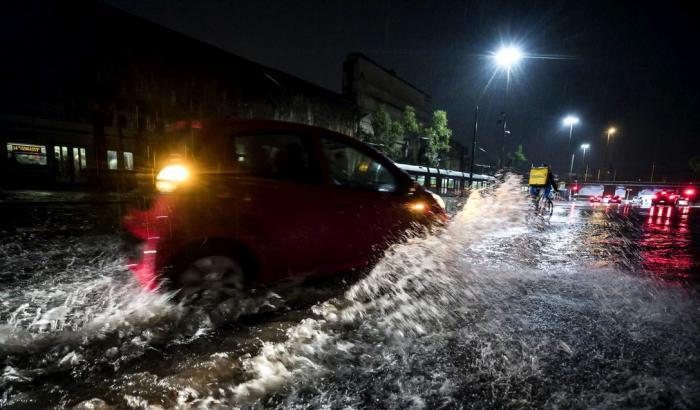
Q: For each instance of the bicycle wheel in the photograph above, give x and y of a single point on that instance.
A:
(547, 207)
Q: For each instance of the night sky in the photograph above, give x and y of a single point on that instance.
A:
(630, 65)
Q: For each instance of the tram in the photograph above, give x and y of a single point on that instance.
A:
(445, 182)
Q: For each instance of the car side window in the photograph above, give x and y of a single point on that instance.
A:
(350, 167)
(274, 156)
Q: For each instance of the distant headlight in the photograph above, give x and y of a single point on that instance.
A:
(170, 177)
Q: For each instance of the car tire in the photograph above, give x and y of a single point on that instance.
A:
(210, 279)
(210, 275)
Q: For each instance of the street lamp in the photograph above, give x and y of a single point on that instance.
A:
(585, 147)
(570, 121)
(506, 58)
(610, 131)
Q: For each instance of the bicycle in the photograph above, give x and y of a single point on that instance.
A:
(543, 205)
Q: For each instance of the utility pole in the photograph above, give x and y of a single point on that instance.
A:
(503, 141)
(471, 160)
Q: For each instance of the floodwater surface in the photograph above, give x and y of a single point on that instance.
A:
(596, 306)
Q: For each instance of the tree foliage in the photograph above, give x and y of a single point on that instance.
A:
(410, 122)
(516, 158)
(388, 134)
(391, 136)
(439, 135)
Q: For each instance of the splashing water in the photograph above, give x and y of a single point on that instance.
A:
(473, 316)
(494, 310)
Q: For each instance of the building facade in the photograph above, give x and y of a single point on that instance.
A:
(89, 89)
(370, 85)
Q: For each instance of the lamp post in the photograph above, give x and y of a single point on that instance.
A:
(571, 168)
(471, 161)
(610, 132)
(585, 147)
(570, 121)
(506, 58)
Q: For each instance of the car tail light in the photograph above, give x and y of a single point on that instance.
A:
(656, 196)
(690, 192)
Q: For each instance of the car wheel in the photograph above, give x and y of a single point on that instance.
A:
(209, 280)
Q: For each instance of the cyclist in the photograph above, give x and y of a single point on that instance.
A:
(536, 185)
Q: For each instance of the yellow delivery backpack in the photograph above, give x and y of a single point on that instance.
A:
(538, 176)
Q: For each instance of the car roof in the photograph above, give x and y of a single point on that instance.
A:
(212, 127)
(247, 124)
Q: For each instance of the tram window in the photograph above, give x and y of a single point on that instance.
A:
(420, 179)
(433, 182)
(353, 168)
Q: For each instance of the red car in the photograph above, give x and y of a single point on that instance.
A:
(612, 199)
(250, 202)
(595, 198)
(664, 198)
(687, 196)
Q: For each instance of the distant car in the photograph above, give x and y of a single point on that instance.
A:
(595, 198)
(687, 196)
(256, 202)
(664, 198)
(612, 199)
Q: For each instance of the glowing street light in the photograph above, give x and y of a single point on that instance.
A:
(610, 131)
(507, 57)
(570, 121)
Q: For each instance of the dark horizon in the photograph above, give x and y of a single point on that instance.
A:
(610, 64)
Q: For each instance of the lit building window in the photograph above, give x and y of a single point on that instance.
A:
(112, 160)
(83, 159)
(128, 160)
(26, 154)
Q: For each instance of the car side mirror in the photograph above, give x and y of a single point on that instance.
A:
(405, 186)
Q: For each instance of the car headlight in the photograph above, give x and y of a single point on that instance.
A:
(170, 177)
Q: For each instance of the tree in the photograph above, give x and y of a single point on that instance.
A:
(387, 133)
(439, 135)
(391, 136)
(516, 158)
(409, 121)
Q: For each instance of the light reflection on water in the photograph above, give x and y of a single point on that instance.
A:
(495, 311)
(667, 244)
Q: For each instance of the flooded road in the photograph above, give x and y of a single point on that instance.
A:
(596, 307)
